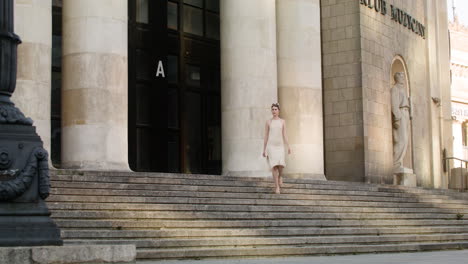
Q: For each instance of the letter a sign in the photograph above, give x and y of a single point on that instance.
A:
(160, 70)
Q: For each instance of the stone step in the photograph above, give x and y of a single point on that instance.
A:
(198, 216)
(422, 191)
(226, 189)
(165, 187)
(291, 250)
(233, 182)
(54, 206)
(128, 176)
(284, 241)
(268, 200)
(146, 193)
(79, 175)
(252, 186)
(177, 224)
(259, 232)
(163, 215)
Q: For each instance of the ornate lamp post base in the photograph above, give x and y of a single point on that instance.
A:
(24, 172)
(24, 183)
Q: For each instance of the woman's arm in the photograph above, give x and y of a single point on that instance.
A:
(285, 137)
(265, 138)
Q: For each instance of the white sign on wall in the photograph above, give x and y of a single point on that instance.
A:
(160, 70)
(460, 111)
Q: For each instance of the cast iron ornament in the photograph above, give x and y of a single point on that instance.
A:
(5, 160)
(9, 114)
(37, 165)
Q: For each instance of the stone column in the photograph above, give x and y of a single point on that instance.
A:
(94, 85)
(248, 82)
(458, 149)
(33, 22)
(300, 84)
(438, 56)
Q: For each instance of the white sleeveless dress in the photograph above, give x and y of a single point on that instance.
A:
(275, 147)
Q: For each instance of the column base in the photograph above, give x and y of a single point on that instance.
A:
(252, 174)
(265, 174)
(405, 179)
(458, 179)
(96, 166)
(306, 176)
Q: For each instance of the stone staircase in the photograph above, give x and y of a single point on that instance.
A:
(174, 216)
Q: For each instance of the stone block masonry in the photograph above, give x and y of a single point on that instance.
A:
(341, 54)
(360, 42)
(382, 40)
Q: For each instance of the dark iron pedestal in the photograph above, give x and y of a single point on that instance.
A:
(24, 172)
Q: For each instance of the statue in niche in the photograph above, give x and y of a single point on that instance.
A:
(400, 121)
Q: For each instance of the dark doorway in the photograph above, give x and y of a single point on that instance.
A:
(174, 86)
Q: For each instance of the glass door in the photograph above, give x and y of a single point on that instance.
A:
(174, 87)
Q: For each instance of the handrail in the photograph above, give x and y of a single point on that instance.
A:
(455, 158)
(464, 178)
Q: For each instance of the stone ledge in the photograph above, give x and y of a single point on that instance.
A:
(75, 254)
(305, 176)
(405, 179)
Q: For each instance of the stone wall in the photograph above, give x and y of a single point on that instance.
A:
(33, 24)
(459, 62)
(341, 51)
(382, 40)
(459, 67)
(360, 43)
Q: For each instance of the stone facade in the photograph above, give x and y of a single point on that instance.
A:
(361, 44)
(341, 47)
(270, 51)
(382, 40)
(459, 67)
(33, 82)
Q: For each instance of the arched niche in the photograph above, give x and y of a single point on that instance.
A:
(399, 65)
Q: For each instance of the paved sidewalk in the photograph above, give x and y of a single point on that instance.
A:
(435, 257)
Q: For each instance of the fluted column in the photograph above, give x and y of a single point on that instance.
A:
(94, 86)
(248, 82)
(33, 22)
(300, 83)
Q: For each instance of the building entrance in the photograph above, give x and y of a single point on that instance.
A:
(174, 86)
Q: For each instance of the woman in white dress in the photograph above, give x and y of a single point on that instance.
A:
(273, 145)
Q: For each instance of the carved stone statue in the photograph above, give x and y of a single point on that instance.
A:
(400, 121)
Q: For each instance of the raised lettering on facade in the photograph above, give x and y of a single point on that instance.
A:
(398, 15)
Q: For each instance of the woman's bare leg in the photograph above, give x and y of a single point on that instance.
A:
(280, 175)
(275, 172)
